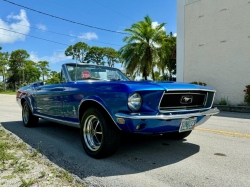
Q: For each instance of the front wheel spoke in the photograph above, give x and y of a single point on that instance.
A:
(98, 132)
(91, 140)
(97, 124)
(97, 140)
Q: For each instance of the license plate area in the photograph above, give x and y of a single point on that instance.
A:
(187, 124)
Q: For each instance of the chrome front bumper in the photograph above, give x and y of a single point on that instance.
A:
(210, 112)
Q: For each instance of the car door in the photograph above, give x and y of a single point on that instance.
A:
(72, 96)
(48, 100)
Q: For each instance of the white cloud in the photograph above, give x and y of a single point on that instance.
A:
(41, 26)
(155, 24)
(54, 58)
(88, 36)
(19, 23)
(175, 34)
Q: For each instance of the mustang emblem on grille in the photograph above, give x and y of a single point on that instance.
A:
(186, 99)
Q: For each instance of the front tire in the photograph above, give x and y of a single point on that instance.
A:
(29, 119)
(100, 138)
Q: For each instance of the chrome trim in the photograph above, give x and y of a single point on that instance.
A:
(72, 124)
(186, 110)
(183, 93)
(85, 64)
(102, 107)
(212, 101)
(205, 102)
(177, 110)
(92, 134)
(167, 117)
(206, 90)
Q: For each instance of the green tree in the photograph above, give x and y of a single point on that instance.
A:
(157, 76)
(95, 55)
(4, 61)
(78, 51)
(44, 68)
(112, 56)
(167, 59)
(54, 78)
(16, 63)
(140, 52)
(32, 72)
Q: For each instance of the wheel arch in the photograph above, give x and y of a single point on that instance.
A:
(88, 103)
(23, 99)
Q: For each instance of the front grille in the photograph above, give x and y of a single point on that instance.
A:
(183, 100)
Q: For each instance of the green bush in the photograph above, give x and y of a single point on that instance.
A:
(199, 83)
(223, 101)
(247, 94)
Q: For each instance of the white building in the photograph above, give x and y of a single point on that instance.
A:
(213, 45)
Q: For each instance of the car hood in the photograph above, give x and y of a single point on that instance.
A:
(157, 85)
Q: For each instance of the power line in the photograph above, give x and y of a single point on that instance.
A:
(113, 10)
(78, 12)
(62, 34)
(64, 19)
(34, 37)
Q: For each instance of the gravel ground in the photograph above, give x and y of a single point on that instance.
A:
(22, 165)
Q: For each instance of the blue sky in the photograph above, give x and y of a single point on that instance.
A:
(113, 15)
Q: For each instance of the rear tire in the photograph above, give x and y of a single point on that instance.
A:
(177, 135)
(29, 119)
(100, 138)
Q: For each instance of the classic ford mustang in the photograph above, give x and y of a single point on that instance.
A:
(102, 102)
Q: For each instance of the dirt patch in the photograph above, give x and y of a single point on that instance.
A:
(21, 165)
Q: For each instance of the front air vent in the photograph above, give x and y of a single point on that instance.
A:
(183, 100)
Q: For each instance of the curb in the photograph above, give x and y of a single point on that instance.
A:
(241, 109)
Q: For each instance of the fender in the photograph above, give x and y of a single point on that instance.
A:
(28, 99)
(100, 102)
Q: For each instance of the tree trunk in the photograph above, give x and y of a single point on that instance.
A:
(170, 75)
(153, 74)
(4, 86)
(163, 76)
(43, 77)
(144, 74)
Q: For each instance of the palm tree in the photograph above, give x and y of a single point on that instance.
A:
(140, 52)
(165, 53)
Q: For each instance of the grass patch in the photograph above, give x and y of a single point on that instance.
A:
(27, 183)
(18, 160)
(8, 92)
(42, 174)
(22, 167)
(4, 155)
(8, 177)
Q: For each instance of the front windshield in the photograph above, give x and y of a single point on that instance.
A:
(92, 72)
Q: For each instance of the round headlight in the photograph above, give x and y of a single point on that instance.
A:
(134, 102)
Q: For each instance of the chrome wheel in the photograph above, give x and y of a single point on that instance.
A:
(26, 114)
(92, 132)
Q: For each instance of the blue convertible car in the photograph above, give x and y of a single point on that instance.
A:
(102, 102)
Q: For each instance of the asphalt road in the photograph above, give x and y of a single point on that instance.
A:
(217, 153)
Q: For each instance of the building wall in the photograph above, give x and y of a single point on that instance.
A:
(217, 46)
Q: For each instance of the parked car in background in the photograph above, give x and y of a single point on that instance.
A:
(102, 102)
